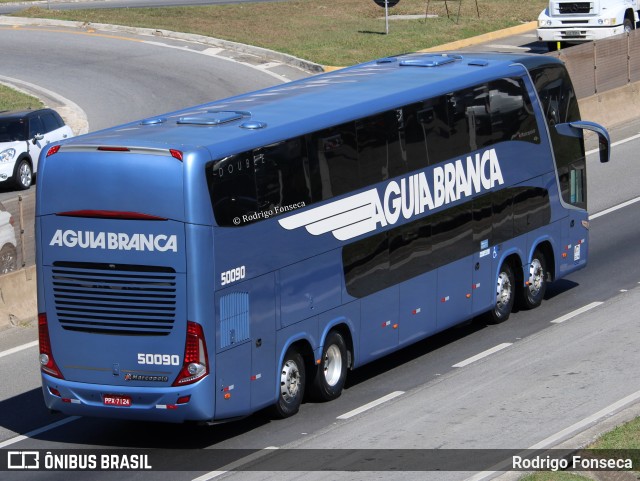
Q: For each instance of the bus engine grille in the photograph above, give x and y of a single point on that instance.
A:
(114, 298)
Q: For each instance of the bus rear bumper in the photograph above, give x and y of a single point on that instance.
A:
(163, 404)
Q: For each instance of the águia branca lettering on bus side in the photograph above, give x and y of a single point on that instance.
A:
(114, 241)
(410, 196)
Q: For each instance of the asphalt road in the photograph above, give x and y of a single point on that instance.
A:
(546, 377)
(117, 77)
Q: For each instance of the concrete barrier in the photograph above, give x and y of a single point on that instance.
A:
(613, 107)
(18, 301)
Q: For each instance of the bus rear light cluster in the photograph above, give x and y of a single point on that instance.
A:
(196, 362)
(47, 363)
(110, 214)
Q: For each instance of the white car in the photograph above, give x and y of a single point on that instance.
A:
(8, 251)
(23, 134)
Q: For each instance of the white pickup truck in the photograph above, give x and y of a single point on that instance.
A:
(574, 22)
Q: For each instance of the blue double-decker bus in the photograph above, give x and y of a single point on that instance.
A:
(208, 263)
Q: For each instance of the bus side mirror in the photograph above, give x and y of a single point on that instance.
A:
(574, 129)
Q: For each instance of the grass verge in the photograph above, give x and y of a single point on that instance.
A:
(13, 100)
(322, 31)
(624, 438)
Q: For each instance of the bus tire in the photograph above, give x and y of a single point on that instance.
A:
(627, 26)
(505, 295)
(291, 386)
(332, 371)
(533, 292)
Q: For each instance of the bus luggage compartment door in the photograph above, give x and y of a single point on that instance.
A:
(245, 346)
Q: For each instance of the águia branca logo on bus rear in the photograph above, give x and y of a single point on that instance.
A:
(410, 196)
(86, 239)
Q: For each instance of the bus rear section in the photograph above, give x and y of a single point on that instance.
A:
(116, 336)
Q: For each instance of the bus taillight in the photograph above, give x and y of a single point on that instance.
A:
(196, 362)
(47, 364)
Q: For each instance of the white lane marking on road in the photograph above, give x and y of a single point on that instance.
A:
(560, 436)
(210, 53)
(371, 405)
(619, 142)
(483, 354)
(614, 208)
(575, 313)
(13, 350)
(236, 464)
(214, 52)
(38, 431)
(508, 47)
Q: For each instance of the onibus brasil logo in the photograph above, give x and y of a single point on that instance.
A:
(410, 196)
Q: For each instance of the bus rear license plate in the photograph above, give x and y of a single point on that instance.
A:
(115, 400)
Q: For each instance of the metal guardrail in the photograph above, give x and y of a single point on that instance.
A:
(602, 65)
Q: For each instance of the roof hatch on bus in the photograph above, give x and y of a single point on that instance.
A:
(430, 61)
(213, 117)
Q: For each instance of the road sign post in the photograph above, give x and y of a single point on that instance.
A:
(387, 4)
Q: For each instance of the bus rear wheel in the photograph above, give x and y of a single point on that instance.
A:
(332, 370)
(533, 292)
(292, 382)
(505, 295)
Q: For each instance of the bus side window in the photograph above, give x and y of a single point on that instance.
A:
(281, 177)
(560, 105)
(379, 154)
(232, 187)
(337, 157)
(469, 120)
(512, 116)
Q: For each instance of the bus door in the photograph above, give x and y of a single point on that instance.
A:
(245, 359)
(482, 284)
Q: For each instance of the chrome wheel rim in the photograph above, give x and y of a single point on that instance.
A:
(25, 175)
(536, 277)
(332, 365)
(289, 380)
(503, 291)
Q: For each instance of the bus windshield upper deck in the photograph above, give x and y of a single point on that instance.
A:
(280, 238)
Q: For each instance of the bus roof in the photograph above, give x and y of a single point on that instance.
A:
(285, 111)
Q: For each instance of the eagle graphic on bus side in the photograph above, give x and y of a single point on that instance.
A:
(410, 196)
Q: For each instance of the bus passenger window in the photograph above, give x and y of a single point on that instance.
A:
(336, 153)
(232, 187)
(379, 154)
(282, 182)
(470, 120)
(512, 116)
